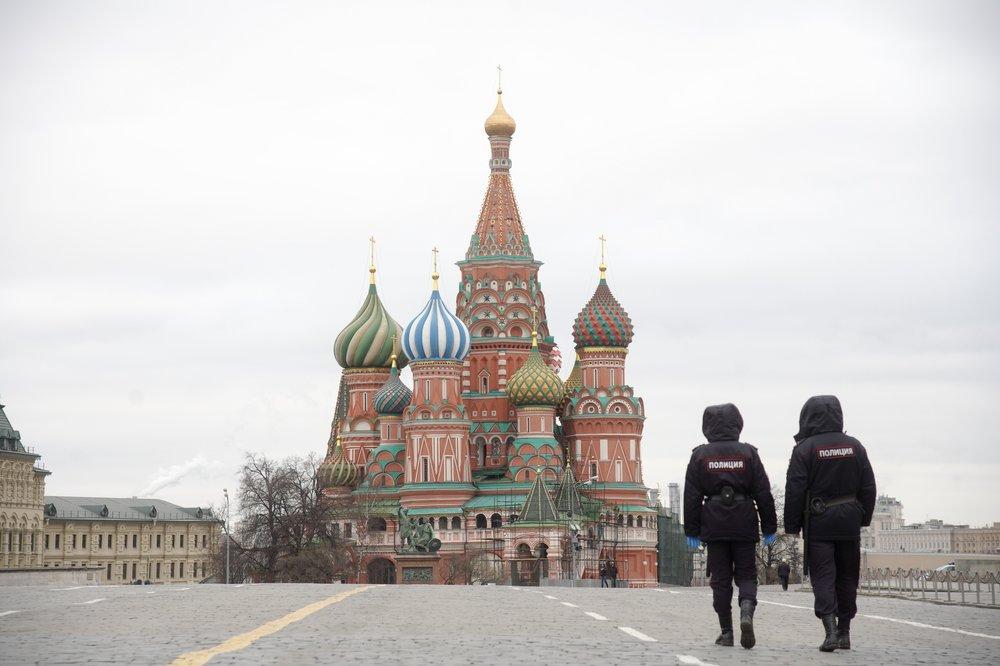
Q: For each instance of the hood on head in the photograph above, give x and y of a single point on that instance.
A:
(722, 423)
(820, 414)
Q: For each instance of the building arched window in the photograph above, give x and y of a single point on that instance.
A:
(487, 331)
(542, 550)
(516, 332)
(456, 523)
(442, 523)
(481, 522)
(638, 521)
(480, 444)
(376, 525)
(523, 550)
(631, 522)
(619, 519)
(496, 520)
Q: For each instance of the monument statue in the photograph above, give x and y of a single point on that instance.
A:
(415, 537)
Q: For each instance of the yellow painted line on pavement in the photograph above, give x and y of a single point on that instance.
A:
(242, 641)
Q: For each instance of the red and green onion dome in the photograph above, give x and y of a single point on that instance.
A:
(394, 396)
(603, 322)
(535, 383)
(366, 342)
(337, 471)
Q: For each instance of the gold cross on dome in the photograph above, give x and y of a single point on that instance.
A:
(435, 275)
(603, 266)
(371, 263)
(499, 73)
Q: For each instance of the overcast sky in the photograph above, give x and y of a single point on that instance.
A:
(799, 199)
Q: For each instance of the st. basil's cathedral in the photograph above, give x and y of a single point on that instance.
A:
(519, 473)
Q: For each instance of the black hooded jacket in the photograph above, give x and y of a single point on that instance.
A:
(828, 464)
(726, 461)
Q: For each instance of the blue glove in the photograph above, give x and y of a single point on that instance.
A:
(770, 538)
(694, 543)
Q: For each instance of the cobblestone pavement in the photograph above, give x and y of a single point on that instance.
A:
(466, 625)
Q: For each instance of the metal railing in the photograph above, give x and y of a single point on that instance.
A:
(953, 586)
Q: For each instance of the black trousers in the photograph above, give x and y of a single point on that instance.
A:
(834, 567)
(784, 582)
(728, 560)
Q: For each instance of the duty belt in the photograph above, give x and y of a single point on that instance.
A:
(728, 496)
(818, 505)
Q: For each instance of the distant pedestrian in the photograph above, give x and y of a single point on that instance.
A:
(725, 490)
(603, 568)
(830, 495)
(613, 570)
(783, 572)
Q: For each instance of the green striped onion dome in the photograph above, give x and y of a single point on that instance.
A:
(337, 471)
(535, 383)
(366, 342)
(603, 322)
(394, 396)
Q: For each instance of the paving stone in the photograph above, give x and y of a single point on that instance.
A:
(453, 625)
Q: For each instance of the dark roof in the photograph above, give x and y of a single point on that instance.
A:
(567, 496)
(114, 508)
(10, 439)
(538, 506)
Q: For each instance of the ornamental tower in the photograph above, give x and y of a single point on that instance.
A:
(435, 427)
(498, 292)
(537, 391)
(602, 418)
(387, 462)
(364, 350)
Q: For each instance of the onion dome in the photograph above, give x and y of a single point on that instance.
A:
(435, 334)
(500, 123)
(602, 322)
(575, 379)
(535, 383)
(394, 396)
(337, 471)
(366, 342)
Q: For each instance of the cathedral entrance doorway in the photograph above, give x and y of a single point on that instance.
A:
(382, 572)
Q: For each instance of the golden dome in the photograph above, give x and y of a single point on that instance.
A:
(500, 123)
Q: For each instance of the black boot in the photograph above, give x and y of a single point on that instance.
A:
(830, 625)
(747, 638)
(844, 633)
(726, 624)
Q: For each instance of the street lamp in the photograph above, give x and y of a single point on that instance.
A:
(225, 492)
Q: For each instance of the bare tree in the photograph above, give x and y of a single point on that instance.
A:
(285, 531)
(369, 526)
(785, 547)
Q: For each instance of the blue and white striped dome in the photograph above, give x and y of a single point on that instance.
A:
(436, 334)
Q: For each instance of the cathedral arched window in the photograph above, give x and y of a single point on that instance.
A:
(456, 523)
(487, 332)
(630, 522)
(638, 521)
(515, 332)
(442, 523)
(481, 523)
(496, 520)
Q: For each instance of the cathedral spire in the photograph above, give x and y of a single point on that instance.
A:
(499, 231)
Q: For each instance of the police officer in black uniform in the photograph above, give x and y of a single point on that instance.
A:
(725, 489)
(830, 494)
